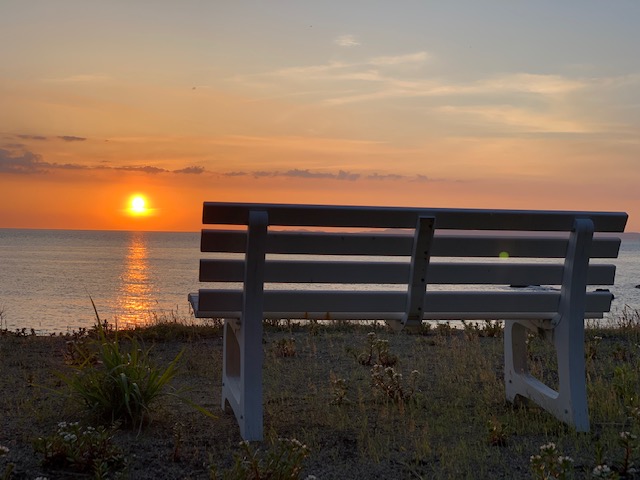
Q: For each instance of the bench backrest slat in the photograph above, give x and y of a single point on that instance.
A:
(354, 272)
(383, 305)
(444, 245)
(399, 217)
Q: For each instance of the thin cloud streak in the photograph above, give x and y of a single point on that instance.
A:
(347, 41)
(29, 163)
(81, 78)
(341, 175)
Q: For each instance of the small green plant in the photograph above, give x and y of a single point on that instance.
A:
(629, 444)
(625, 381)
(121, 385)
(285, 347)
(604, 471)
(492, 329)
(339, 390)
(550, 465)
(376, 352)
(9, 468)
(444, 329)
(283, 461)
(497, 433)
(591, 347)
(390, 384)
(81, 449)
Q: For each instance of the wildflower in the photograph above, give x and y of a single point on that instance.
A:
(549, 447)
(3, 450)
(627, 436)
(601, 471)
(562, 459)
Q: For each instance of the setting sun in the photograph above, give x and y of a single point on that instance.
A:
(138, 205)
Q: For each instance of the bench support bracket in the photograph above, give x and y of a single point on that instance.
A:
(243, 355)
(569, 403)
(417, 288)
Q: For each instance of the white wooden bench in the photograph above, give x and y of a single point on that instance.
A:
(307, 270)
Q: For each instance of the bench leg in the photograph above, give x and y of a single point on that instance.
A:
(242, 379)
(569, 404)
(242, 361)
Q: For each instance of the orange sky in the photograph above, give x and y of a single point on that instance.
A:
(427, 106)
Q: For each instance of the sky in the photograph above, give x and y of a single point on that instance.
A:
(469, 103)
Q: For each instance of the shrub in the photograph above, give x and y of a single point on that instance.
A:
(390, 384)
(118, 385)
(549, 464)
(80, 449)
(376, 352)
(283, 461)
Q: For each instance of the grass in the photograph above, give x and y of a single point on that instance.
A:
(451, 419)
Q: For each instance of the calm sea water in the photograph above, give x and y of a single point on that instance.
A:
(47, 277)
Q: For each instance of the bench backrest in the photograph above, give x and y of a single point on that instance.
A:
(310, 270)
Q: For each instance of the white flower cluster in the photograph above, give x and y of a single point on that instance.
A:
(601, 471)
(294, 443)
(64, 426)
(627, 436)
(549, 447)
(3, 450)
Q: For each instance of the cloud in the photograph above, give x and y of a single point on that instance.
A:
(23, 163)
(32, 137)
(66, 138)
(71, 138)
(340, 175)
(366, 70)
(26, 162)
(418, 57)
(81, 78)
(190, 170)
(526, 101)
(137, 168)
(387, 176)
(347, 41)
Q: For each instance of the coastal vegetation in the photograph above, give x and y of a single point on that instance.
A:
(342, 400)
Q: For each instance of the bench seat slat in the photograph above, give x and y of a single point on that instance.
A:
(354, 272)
(299, 302)
(223, 213)
(444, 245)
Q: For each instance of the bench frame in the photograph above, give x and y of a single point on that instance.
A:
(564, 327)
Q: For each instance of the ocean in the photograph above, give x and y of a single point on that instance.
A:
(48, 278)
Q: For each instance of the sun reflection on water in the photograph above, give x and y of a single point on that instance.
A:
(134, 298)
